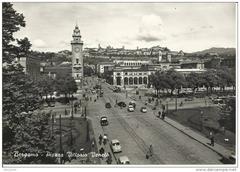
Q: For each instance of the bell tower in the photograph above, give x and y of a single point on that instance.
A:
(77, 57)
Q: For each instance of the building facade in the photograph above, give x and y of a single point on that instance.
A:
(77, 57)
(31, 66)
(131, 77)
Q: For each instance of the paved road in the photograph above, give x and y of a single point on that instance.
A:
(136, 131)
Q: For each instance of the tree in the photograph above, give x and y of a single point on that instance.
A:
(175, 80)
(65, 84)
(47, 86)
(194, 80)
(210, 79)
(11, 23)
(170, 79)
(20, 98)
(226, 78)
(24, 46)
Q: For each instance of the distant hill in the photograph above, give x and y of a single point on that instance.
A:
(220, 51)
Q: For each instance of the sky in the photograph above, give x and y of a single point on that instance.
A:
(179, 26)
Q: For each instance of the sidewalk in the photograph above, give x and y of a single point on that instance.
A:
(201, 139)
(189, 132)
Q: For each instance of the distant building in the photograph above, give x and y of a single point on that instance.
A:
(103, 67)
(192, 65)
(131, 77)
(229, 62)
(186, 72)
(31, 66)
(212, 63)
(132, 63)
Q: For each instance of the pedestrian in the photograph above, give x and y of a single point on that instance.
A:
(159, 114)
(163, 115)
(109, 158)
(223, 130)
(163, 107)
(150, 150)
(101, 151)
(212, 141)
(100, 139)
(210, 134)
(93, 144)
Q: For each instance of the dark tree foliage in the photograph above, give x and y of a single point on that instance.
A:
(167, 80)
(11, 23)
(65, 84)
(24, 130)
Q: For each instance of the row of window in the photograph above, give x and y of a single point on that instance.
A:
(135, 80)
(131, 73)
(132, 64)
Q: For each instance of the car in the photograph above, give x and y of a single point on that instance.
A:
(117, 90)
(218, 101)
(188, 99)
(51, 104)
(143, 109)
(133, 103)
(123, 160)
(103, 121)
(108, 105)
(130, 108)
(122, 104)
(115, 146)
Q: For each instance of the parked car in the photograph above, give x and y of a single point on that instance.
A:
(51, 104)
(130, 108)
(115, 146)
(133, 103)
(108, 105)
(123, 160)
(188, 99)
(218, 101)
(143, 109)
(103, 121)
(122, 104)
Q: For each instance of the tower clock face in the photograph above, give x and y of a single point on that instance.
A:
(77, 49)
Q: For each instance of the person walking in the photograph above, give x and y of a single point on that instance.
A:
(100, 139)
(109, 158)
(212, 141)
(159, 114)
(93, 144)
(101, 151)
(163, 115)
(150, 150)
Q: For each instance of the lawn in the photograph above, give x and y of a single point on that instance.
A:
(82, 135)
(204, 122)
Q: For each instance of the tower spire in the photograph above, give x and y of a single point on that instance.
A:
(76, 23)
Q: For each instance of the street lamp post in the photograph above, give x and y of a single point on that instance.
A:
(201, 113)
(60, 128)
(52, 121)
(72, 106)
(176, 103)
(167, 107)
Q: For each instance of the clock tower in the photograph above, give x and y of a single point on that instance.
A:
(77, 57)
